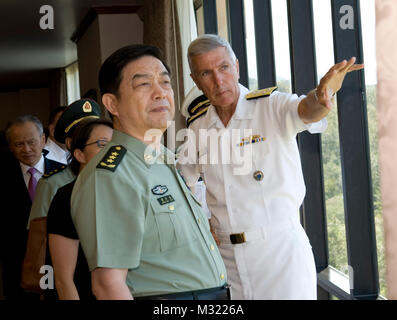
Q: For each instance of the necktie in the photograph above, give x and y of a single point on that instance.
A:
(32, 183)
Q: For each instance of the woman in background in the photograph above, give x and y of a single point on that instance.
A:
(72, 276)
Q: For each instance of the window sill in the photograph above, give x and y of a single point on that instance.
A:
(337, 284)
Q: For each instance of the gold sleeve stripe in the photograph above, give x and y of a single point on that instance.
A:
(199, 105)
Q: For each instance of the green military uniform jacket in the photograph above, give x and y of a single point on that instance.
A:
(46, 189)
(131, 213)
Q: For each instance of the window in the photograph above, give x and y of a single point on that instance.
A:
(368, 26)
(212, 17)
(281, 45)
(221, 12)
(337, 246)
(250, 43)
(72, 82)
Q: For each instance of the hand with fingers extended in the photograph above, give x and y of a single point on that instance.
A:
(318, 102)
(333, 80)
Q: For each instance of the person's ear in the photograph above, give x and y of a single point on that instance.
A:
(109, 100)
(68, 142)
(79, 156)
(51, 129)
(238, 68)
(42, 140)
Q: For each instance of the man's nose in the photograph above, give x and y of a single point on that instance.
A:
(26, 147)
(218, 78)
(158, 91)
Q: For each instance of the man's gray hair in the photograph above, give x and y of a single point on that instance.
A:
(206, 43)
(21, 120)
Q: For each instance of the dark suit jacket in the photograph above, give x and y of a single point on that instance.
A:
(14, 215)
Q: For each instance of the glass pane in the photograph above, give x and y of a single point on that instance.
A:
(200, 21)
(250, 42)
(330, 144)
(72, 82)
(221, 12)
(368, 36)
(281, 45)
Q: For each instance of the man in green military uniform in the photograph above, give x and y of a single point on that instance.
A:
(142, 231)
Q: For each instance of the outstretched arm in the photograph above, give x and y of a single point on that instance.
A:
(318, 102)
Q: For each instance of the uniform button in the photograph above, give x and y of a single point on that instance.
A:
(222, 276)
(171, 207)
(198, 220)
(212, 247)
(258, 175)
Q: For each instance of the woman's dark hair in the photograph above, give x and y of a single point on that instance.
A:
(80, 137)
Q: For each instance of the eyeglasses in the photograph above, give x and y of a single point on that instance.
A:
(101, 143)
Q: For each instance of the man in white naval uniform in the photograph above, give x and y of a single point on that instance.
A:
(254, 204)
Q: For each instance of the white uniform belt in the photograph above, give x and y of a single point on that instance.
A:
(251, 235)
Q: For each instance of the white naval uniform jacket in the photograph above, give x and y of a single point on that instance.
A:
(261, 199)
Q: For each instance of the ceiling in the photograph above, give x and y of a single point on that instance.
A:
(26, 51)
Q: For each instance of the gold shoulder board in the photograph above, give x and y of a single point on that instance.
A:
(50, 174)
(260, 93)
(112, 158)
(201, 112)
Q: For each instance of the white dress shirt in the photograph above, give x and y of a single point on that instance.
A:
(55, 152)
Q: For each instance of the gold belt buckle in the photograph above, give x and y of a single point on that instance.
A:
(237, 238)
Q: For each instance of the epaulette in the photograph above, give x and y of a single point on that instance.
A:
(260, 93)
(112, 158)
(49, 174)
(197, 108)
(196, 116)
